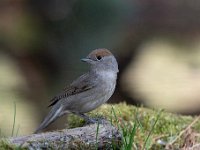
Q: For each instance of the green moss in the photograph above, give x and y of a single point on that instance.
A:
(150, 125)
(4, 145)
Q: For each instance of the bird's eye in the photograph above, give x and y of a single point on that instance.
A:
(99, 57)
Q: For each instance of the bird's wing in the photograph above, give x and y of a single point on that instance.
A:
(80, 85)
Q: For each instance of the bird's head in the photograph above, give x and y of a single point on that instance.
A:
(102, 59)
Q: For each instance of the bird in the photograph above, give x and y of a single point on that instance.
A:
(87, 92)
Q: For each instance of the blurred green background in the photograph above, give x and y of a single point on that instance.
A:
(157, 45)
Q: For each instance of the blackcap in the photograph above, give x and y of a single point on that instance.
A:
(89, 91)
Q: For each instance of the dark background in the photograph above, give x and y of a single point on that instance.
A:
(157, 45)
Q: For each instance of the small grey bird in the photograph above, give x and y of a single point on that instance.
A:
(89, 91)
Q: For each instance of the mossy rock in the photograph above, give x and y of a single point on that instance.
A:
(142, 128)
(150, 129)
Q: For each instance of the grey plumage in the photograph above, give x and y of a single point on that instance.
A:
(87, 92)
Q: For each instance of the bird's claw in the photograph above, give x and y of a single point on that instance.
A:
(96, 120)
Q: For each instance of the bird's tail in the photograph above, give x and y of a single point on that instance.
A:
(52, 116)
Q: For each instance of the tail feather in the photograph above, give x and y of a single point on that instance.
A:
(52, 116)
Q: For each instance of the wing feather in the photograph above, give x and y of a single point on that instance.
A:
(78, 86)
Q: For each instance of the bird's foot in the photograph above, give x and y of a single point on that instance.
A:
(89, 120)
(96, 120)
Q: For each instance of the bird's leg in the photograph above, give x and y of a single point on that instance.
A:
(86, 118)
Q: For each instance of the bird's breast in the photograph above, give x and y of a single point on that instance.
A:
(107, 75)
(86, 101)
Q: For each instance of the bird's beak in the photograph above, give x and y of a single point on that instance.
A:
(85, 60)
